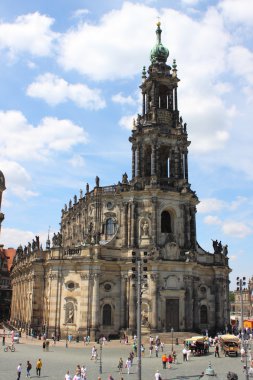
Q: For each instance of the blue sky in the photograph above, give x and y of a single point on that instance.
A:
(69, 78)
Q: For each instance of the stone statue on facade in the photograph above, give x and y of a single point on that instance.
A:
(81, 193)
(145, 229)
(87, 188)
(97, 181)
(125, 179)
(70, 313)
(29, 248)
(75, 199)
(57, 240)
(70, 203)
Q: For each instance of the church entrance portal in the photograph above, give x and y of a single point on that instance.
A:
(172, 314)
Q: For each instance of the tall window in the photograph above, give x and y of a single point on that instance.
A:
(203, 314)
(107, 315)
(166, 222)
(110, 227)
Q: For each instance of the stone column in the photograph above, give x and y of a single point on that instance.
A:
(132, 224)
(138, 163)
(123, 301)
(153, 160)
(143, 104)
(175, 98)
(154, 220)
(186, 165)
(132, 305)
(129, 225)
(95, 307)
(125, 225)
(153, 289)
(133, 161)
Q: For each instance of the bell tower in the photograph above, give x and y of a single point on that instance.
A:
(2, 188)
(159, 137)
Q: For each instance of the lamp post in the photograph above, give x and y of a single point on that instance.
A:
(100, 354)
(245, 345)
(172, 331)
(66, 344)
(141, 279)
(240, 283)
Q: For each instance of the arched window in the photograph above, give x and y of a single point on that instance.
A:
(107, 315)
(203, 314)
(166, 222)
(109, 227)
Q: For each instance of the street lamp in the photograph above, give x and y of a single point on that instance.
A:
(100, 354)
(245, 345)
(172, 331)
(66, 344)
(240, 283)
(141, 279)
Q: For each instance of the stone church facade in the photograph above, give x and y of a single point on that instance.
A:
(84, 283)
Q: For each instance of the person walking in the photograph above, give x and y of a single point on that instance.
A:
(156, 350)
(67, 376)
(120, 365)
(19, 370)
(38, 367)
(150, 350)
(28, 368)
(83, 372)
(184, 351)
(164, 360)
(217, 350)
(128, 365)
(158, 375)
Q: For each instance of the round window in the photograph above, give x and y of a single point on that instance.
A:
(107, 287)
(70, 285)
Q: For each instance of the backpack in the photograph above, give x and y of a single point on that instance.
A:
(29, 366)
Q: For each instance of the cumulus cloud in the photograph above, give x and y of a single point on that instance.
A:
(121, 99)
(23, 141)
(30, 33)
(210, 204)
(18, 180)
(212, 220)
(237, 11)
(127, 121)
(55, 90)
(13, 237)
(100, 53)
(236, 229)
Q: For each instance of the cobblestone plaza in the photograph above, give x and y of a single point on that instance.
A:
(59, 359)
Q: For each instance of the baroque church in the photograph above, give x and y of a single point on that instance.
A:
(84, 281)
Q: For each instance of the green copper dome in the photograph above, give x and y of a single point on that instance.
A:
(159, 53)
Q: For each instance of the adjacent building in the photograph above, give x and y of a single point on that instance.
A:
(84, 282)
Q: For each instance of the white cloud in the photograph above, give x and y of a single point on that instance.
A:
(13, 237)
(236, 229)
(79, 13)
(212, 220)
(23, 141)
(237, 11)
(127, 121)
(30, 33)
(210, 204)
(121, 99)
(100, 53)
(189, 2)
(240, 60)
(55, 90)
(18, 180)
(238, 202)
